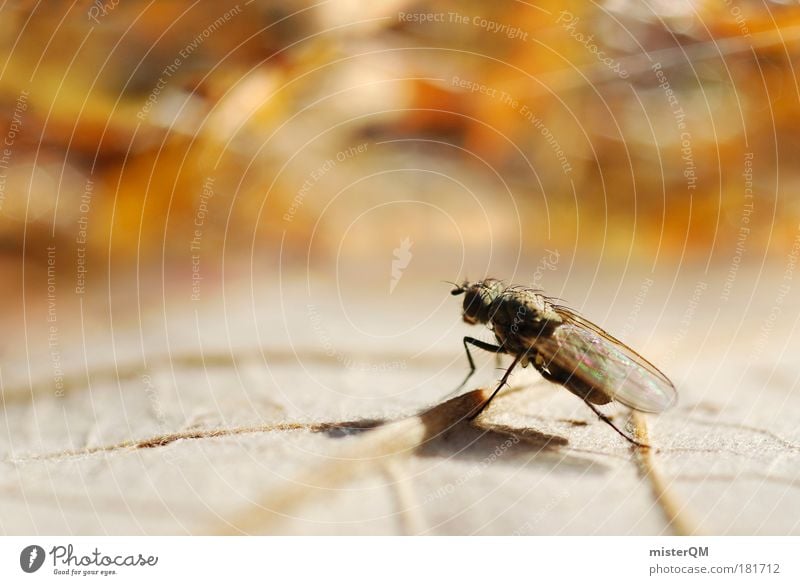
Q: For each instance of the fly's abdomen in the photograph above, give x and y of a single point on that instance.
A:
(572, 382)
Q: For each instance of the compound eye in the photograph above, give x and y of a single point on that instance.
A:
(472, 302)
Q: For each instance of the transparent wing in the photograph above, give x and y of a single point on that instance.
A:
(603, 362)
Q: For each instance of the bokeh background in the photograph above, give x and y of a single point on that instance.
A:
(216, 216)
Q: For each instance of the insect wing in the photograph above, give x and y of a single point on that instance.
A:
(599, 360)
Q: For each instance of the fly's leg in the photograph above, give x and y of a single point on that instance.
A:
(499, 386)
(480, 345)
(607, 420)
(564, 381)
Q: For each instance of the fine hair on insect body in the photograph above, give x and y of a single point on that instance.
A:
(564, 347)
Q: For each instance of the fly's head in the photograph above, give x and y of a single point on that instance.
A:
(478, 299)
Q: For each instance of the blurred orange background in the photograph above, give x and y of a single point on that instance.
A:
(225, 215)
(142, 138)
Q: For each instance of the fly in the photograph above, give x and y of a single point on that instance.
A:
(564, 347)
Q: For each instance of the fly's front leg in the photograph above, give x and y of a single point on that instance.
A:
(502, 383)
(480, 345)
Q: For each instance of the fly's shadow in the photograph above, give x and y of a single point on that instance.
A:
(495, 444)
(452, 434)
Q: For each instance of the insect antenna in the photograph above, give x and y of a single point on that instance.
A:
(459, 288)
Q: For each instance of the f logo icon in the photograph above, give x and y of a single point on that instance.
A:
(31, 558)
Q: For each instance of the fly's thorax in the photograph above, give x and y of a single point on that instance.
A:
(524, 313)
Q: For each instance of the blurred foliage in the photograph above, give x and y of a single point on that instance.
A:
(139, 104)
